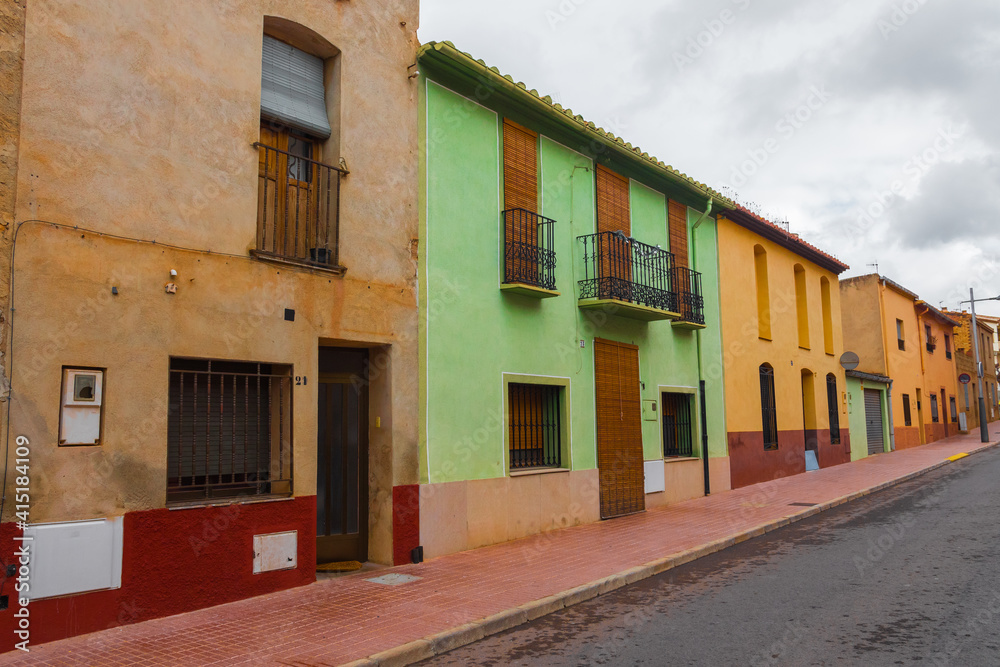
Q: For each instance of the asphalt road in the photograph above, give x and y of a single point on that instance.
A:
(910, 575)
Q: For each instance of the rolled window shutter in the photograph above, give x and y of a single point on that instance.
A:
(677, 215)
(291, 88)
(612, 202)
(520, 167)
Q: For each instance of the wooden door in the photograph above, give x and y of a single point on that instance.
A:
(288, 211)
(619, 428)
(342, 469)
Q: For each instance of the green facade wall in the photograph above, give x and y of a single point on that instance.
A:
(472, 333)
(856, 415)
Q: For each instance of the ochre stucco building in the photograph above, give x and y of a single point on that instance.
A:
(214, 348)
(782, 340)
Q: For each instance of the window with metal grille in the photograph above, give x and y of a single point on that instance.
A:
(678, 435)
(833, 406)
(228, 429)
(768, 407)
(899, 335)
(953, 404)
(906, 410)
(934, 409)
(534, 425)
(947, 346)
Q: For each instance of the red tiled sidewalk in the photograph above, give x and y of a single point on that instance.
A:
(349, 618)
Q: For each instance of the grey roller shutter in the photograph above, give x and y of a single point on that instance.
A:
(291, 88)
(873, 421)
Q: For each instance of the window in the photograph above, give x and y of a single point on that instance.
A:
(229, 429)
(529, 258)
(833, 406)
(824, 289)
(934, 409)
(802, 306)
(613, 209)
(947, 346)
(954, 408)
(768, 407)
(678, 434)
(931, 340)
(899, 335)
(907, 420)
(763, 294)
(298, 195)
(534, 425)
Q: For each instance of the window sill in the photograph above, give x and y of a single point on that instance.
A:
(336, 270)
(536, 471)
(225, 502)
(524, 289)
(678, 459)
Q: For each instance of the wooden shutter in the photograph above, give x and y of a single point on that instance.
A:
(520, 167)
(677, 224)
(619, 428)
(612, 202)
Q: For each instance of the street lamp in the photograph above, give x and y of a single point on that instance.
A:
(984, 431)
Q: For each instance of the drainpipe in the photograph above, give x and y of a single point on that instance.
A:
(701, 370)
(892, 429)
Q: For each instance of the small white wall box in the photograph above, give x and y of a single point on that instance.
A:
(74, 557)
(82, 401)
(275, 551)
(655, 476)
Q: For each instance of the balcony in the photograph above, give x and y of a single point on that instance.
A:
(529, 260)
(690, 303)
(627, 277)
(298, 209)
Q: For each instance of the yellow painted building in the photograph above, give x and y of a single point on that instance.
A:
(965, 357)
(937, 352)
(782, 339)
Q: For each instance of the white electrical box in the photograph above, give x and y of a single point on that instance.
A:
(82, 396)
(74, 557)
(275, 551)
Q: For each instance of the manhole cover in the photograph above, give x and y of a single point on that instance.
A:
(803, 504)
(393, 579)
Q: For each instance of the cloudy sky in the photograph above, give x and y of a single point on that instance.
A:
(871, 126)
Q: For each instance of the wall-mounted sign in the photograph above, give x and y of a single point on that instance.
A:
(849, 361)
(964, 378)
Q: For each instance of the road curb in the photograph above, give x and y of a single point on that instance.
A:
(447, 640)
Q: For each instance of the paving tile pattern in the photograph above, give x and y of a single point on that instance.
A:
(347, 618)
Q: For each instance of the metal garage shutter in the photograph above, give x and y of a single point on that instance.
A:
(619, 428)
(291, 88)
(873, 421)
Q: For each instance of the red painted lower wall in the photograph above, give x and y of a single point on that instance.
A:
(750, 463)
(174, 561)
(829, 454)
(907, 437)
(405, 522)
(936, 432)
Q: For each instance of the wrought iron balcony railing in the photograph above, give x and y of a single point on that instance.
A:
(529, 258)
(298, 208)
(619, 267)
(690, 303)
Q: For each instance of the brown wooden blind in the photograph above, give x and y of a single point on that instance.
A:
(677, 224)
(520, 167)
(619, 428)
(612, 202)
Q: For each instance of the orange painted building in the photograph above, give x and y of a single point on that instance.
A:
(896, 334)
(782, 339)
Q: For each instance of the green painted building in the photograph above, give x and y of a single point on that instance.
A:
(868, 413)
(570, 351)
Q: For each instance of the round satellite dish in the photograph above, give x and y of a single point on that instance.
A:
(849, 361)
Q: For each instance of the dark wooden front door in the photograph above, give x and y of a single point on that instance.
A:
(619, 428)
(342, 461)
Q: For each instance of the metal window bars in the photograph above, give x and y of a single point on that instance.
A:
(833, 408)
(768, 408)
(229, 427)
(298, 208)
(678, 434)
(534, 426)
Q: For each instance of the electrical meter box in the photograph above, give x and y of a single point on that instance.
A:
(82, 398)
